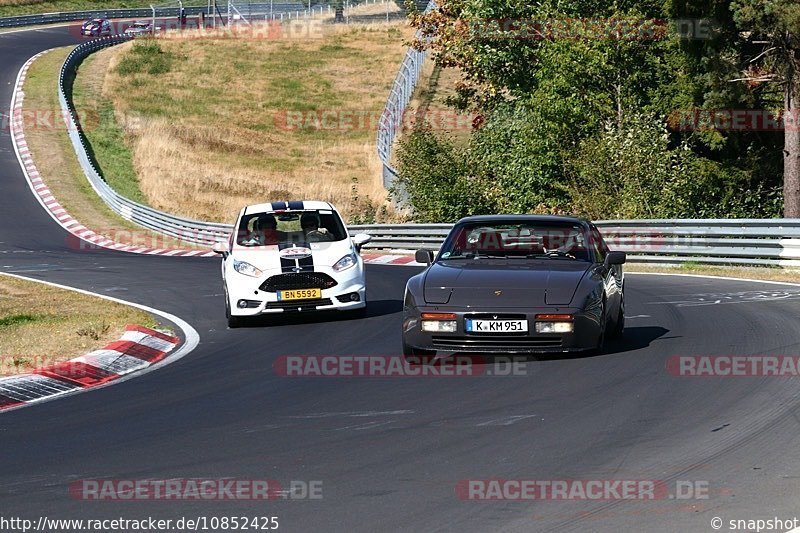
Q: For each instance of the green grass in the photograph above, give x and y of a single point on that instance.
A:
(56, 160)
(146, 57)
(17, 320)
(13, 8)
(41, 325)
(106, 136)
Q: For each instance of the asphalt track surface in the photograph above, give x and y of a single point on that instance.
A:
(390, 451)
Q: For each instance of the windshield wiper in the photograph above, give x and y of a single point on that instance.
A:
(554, 253)
(486, 256)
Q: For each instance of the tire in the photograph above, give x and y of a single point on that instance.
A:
(601, 341)
(416, 356)
(619, 323)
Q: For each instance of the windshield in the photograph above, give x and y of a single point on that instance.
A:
(517, 240)
(270, 229)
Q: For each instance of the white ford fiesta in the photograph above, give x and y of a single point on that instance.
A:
(291, 257)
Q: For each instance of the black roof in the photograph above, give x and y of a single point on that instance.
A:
(506, 219)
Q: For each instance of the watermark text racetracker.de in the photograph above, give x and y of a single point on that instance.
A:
(711, 366)
(9, 524)
(44, 119)
(387, 366)
(194, 489)
(580, 489)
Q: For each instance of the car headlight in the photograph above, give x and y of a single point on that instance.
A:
(345, 262)
(247, 269)
(439, 322)
(555, 323)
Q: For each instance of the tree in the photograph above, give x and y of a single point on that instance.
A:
(773, 30)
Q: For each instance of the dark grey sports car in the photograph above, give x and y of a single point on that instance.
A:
(515, 284)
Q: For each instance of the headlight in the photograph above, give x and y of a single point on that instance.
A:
(345, 262)
(554, 323)
(554, 327)
(247, 269)
(439, 326)
(438, 322)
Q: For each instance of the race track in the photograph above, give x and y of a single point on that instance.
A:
(390, 452)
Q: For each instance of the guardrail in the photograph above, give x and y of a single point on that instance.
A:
(399, 96)
(720, 241)
(181, 228)
(144, 13)
(725, 241)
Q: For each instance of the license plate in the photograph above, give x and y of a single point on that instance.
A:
(300, 294)
(496, 326)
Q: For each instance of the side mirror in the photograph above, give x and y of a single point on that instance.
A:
(615, 258)
(424, 256)
(221, 248)
(360, 240)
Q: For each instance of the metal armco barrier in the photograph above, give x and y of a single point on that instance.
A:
(712, 241)
(724, 241)
(399, 96)
(260, 8)
(180, 228)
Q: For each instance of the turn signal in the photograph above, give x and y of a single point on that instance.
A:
(555, 318)
(438, 316)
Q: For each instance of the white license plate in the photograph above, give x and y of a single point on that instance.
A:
(496, 326)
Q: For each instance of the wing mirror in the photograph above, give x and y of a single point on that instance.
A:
(424, 256)
(221, 248)
(360, 239)
(615, 258)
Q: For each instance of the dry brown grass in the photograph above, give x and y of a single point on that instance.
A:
(20, 2)
(62, 325)
(759, 273)
(207, 139)
(58, 165)
(26, 7)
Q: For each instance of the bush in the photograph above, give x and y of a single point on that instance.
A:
(633, 172)
(511, 165)
(436, 180)
(146, 56)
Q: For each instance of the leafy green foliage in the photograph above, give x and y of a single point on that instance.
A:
(632, 172)
(578, 122)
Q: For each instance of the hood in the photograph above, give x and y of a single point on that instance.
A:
(520, 284)
(273, 258)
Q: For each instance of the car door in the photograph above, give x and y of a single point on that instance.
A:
(613, 276)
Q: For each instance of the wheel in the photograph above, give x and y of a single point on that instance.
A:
(601, 341)
(619, 324)
(416, 356)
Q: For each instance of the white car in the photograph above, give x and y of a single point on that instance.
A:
(290, 257)
(141, 27)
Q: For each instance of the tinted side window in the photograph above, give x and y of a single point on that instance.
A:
(598, 244)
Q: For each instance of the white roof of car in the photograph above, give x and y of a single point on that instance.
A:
(300, 205)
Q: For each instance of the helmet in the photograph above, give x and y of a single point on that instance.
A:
(308, 220)
(265, 221)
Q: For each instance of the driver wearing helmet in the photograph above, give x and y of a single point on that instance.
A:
(309, 222)
(265, 231)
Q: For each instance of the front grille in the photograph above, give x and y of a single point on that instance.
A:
(294, 305)
(298, 280)
(495, 343)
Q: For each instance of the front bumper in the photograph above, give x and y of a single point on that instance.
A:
(584, 336)
(338, 298)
